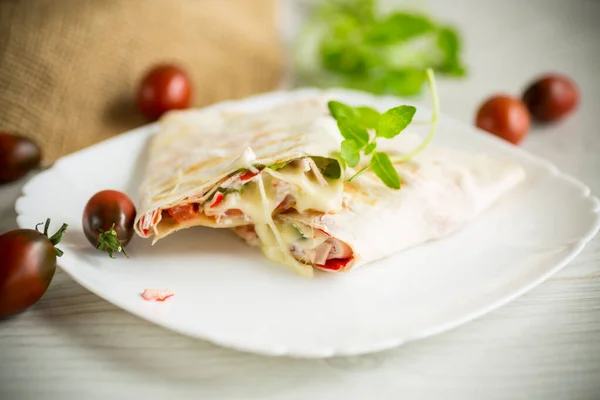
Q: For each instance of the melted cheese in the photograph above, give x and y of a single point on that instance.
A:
(302, 236)
(272, 243)
(249, 202)
(309, 194)
(259, 199)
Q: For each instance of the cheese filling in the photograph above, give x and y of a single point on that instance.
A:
(306, 193)
(248, 202)
(272, 244)
(305, 244)
(238, 200)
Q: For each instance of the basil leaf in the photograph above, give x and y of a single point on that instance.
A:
(395, 120)
(384, 169)
(350, 152)
(449, 44)
(352, 131)
(340, 110)
(368, 117)
(344, 57)
(399, 27)
(403, 82)
(341, 50)
(370, 148)
(454, 69)
(333, 170)
(329, 167)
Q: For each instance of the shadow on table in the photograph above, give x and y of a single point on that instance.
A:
(137, 347)
(9, 193)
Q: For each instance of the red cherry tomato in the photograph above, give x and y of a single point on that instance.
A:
(504, 116)
(108, 219)
(551, 97)
(27, 266)
(18, 156)
(163, 88)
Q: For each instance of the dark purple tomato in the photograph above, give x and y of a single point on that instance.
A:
(18, 156)
(551, 97)
(164, 87)
(108, 220)
(27, 266)
(504, 116)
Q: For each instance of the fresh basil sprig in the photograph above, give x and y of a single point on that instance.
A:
(354, 124)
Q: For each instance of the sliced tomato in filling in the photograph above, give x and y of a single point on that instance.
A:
(184, 212)
(246, 176)
(335, 264)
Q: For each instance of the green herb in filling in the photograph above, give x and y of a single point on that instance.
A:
(277, 166)
(330, 168)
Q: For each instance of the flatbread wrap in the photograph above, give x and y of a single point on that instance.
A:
(442, 191)
(222, 167)
(273, 176)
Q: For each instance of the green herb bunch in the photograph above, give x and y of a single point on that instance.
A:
(348, 43)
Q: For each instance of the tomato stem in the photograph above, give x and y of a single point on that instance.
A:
(110, 242)
(56, 238)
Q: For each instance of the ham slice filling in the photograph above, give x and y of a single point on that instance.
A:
(331, 249)
(332, 254)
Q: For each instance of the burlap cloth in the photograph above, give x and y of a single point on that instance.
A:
(69, 68)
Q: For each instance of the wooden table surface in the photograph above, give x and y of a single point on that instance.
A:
(544, 345)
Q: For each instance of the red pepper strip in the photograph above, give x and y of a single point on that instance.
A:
(335, 264)
(217, 199)
(246, 176)
(183, 213)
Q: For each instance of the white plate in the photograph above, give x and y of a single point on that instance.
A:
(226, 292)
